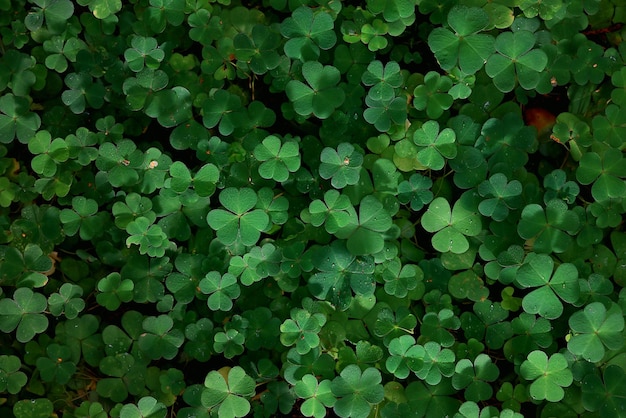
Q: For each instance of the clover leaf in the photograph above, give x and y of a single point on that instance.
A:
(383, 80)
(475, 377)
(24, 312)
(342, 166)
(12, 379)
(278, 159)
(501, 196)
(465, 47)
(150, 237)
(433, 95)
(222, 289)
(605, 395)
(82, 218)
(548, 230)
(33, 408)
(228, 390)
(452, 226)
(383, 112)
(240, 221)
(416, 191)
(515, 60)
(57, 366)
(114, 291)
(229, 342)
(605, 172)
(102, 9)
(16, 119)
(54, 13)
(308, 32)
(339, 274)
(537, 272)
(593, 329)
(318, 396)
(302, 329)
(67, 301)
(405, 356)
(401, 279)
(82, 91)
(160, 339)
(146, 407)
(549, 375)
(143, 51)
(357, 391)
(438, 363)
(365, 236)
(435, 326)
(258, 49)
(49, 153)
(320, 96)
(435, 146)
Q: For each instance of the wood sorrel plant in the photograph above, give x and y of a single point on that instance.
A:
(388, 208)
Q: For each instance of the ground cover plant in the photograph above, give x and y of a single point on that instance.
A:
(387, 208)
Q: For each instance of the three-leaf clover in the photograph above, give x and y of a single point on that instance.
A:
(465, 47)
(318, 396)
(24, 312)
(228, 390)
(435, 147)
(501, 196)
(475, 377)
(365, 234)
(160, 339)
(113, 291)
(383, 80)
(605, 395)
(302, 329)
(549, 375)
(606, 172)
(432, 95)
(12, 379)
(342, 166)
(308, 32)
(222, 289)
(278, 158)
(320, 96)
(548, 230)
(239, 221)
(357, 391)
(593, 329)
(143, 51)
(452, 226)
(515, 60)
(537, 272)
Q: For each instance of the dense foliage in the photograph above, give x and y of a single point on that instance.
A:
(387, 208)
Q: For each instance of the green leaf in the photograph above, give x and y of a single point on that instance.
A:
(435, 147)
(604, 172)
(548, 230)
(33, 408)
(342, 166)
(475, 377)
(302, 330)
(416, 191)
(501, 197)
(320, 96)
(222, 290)
(432, 95)
(464, 47)
(114, 291)
(239, 222)
(452, 226)
(318, 396)
(229, 392)
(278, 159)
(16, 119)
(367, 237)
(308, 32)
(516, 61)
(12, 380)
(24, 313)
(144, 51)
(549, 375)
(405, 356)
(147, 407)
(605, 396)
(160, 340)
(383, 80)
(595, 328)
(357, 391)
(537, 272)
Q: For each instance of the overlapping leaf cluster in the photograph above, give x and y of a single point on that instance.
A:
(220, 208)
